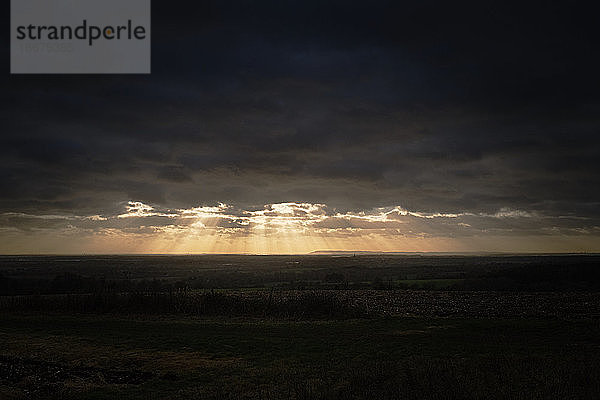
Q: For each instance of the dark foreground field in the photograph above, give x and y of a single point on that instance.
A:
(302, 328)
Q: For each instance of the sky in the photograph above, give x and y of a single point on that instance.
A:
(297, 126)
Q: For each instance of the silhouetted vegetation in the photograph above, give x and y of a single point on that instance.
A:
(289, 304)
(61, 275)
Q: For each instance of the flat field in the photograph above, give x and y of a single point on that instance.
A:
(315, 327)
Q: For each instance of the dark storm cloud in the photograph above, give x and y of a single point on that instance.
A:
(435, 106)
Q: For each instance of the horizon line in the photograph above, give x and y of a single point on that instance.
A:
(312, 253)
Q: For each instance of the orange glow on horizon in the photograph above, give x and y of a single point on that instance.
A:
(284, 228)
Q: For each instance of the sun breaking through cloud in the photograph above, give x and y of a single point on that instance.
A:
(292, 228)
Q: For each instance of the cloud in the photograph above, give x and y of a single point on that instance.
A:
(300, 220)
(477, 118)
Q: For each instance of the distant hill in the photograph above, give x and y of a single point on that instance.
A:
(414, 253)
(349, 253)
(365, 252)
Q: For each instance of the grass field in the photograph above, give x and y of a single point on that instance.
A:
(115, 357)
(280, 343)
